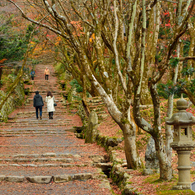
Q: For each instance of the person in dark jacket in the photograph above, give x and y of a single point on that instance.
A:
(32, 74)
(38, 103)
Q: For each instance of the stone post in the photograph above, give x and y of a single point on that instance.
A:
(182, 142)
(91, 132)
(184, 167)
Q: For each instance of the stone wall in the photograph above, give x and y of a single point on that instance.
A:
(14, 100)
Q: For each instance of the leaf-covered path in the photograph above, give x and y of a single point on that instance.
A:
(44, 156)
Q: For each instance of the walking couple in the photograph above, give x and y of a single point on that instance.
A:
(38, 104)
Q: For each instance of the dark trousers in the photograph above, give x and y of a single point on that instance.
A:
(32, 77)
(38, 108)
(50, 115)
(46, 77)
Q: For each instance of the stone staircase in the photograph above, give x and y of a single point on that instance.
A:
(46, 151)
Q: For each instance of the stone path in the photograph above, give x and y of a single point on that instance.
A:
(44, 156)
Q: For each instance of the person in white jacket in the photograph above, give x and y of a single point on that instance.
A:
(50, 104)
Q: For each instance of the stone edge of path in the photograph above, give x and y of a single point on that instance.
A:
(118, 170)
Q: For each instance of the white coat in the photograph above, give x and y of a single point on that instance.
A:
(50, 103)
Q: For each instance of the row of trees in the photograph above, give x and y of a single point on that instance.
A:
(18, 41)
(121, 50)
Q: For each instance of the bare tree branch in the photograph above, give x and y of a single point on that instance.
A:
(187, 58)
(38, 23)
(115, 48)
(79, 15)
(168, 1)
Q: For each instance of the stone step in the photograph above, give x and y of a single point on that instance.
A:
(96, 109)
(101, 112)
(44, 93)
(39, 121)
(65, 160)
(35, 125)
(42, 146)
(61, 165)
(43, 121)
(43, 159)
(38, 129)
(33, 112)
(19, 131)
(31, 135)
(41, 170)
(30, 103)
(33, 117)
(48, 154)
(74, 149)
(102, 116)
(60, 178)
(58, 98)
(95, 102)
(44, 163)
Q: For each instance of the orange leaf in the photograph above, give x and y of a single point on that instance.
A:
(3, 60)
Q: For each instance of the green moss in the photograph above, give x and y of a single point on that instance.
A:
(129, 182)
(176, 192)
(69, 98)
(142, 165)
(192, 172)
(119, 132)
(118, 148)
(152, 179)
(155, 179)
(98, 140)
(116, 178)
(60, 69)
(124, 121)
(163, 188)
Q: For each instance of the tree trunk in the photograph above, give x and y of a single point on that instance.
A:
(1, 72)
(189, 94)
(168, 128)
(132, 157)
(164, 161)
(166, 172)
(84, 88)
(145, 94)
